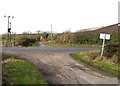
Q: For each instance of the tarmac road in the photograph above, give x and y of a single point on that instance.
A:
(59, 67)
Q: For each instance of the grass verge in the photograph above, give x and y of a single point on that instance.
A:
(17, 71)
(93, 59)
(70, 45)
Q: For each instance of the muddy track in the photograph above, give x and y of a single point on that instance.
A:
(61, 68)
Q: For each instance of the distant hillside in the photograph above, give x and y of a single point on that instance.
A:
(89, 29)
(112, 29)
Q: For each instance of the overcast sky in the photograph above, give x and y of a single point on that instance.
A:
(33, 15)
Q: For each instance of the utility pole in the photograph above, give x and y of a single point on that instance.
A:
(9, 29)
(51, 33)
(10, 33)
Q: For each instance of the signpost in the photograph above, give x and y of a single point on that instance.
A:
(104, 36)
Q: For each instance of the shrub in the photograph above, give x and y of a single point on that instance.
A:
(25, 41)
(77, 38)
(111, 50)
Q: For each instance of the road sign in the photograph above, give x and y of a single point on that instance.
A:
(104, 36)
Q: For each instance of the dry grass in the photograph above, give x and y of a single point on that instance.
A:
(10, 60)
(95, 55)
(93, 58)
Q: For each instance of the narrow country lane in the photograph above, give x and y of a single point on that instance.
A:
(59, 67)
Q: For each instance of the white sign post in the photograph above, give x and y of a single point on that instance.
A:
(104, 36)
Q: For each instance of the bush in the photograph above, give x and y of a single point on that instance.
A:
(111, 50)
(25, 41)
(7, 56)
(77, 38)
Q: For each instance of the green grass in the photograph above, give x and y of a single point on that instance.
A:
(17, 71)
(70, 45)
(34, 44)
(102, 65)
